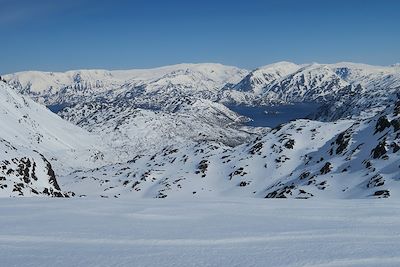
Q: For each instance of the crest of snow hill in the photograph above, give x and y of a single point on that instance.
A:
(168, 132)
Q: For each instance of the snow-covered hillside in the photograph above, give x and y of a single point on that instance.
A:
(32, 137)
(132, 131)
(301, 159)
(32, 125)
(164, 132)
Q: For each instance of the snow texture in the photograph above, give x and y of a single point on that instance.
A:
(215, 232)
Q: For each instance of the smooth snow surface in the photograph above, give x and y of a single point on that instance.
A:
(228, 232)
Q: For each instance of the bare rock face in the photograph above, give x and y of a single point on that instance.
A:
(27, 173)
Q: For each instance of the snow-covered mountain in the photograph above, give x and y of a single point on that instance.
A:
(33, 126)
(132, 130)
(301, 159)
(37, 145)
(340, 85)
(73, 87)
(165, 133)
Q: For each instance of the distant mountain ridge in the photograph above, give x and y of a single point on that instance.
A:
(282, 82)
(168, 132)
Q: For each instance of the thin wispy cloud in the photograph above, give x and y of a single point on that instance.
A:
(22, 11)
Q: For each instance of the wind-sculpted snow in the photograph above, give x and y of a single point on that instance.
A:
(210, 232)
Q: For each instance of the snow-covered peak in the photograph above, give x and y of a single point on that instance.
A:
(256, 80)
(368, 76)
(55, 87)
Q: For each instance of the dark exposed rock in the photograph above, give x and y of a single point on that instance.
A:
(326, 168)
(289, 144)
(396, 124)
(375, 181)
(304, 175)
(395, 147)
(382, 124)
(379, 150)
(240, 171)
(202, 167)
(342, 141)
(244, 183)
(282, 192)
(256, 148)
(382, 194)
(397, 108)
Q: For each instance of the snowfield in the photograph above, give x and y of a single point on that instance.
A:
(217, 232)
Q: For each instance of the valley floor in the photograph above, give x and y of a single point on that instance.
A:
(220, 232)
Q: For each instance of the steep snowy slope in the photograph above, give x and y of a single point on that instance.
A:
(368, 76)
(376, 88)
(28, 124)
(362, 161)
(257, 79)
(288, 83)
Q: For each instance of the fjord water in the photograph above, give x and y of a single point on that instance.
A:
(272, 116)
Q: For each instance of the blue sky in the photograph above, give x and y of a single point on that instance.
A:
(58, 35)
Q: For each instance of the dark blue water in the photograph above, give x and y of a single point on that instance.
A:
(272, 116)
(57, 107)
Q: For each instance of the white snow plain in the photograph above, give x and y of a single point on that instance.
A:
(217, 232)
